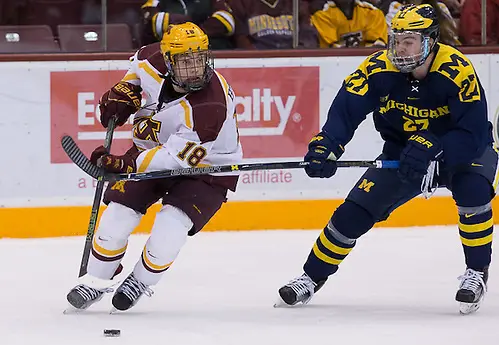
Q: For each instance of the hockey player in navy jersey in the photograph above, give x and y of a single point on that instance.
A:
(430, 109)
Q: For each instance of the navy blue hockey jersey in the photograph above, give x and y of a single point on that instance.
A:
(449, 102)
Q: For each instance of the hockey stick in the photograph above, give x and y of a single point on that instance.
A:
(100, 176)
(84, 163)
(380, 164)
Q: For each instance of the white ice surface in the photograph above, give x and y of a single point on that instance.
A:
(396, 287)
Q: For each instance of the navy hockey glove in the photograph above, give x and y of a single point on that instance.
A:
(322, 155)
(420, 150)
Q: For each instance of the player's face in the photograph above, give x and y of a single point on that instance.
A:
(189, 68)
(405, 50)
(407, 44)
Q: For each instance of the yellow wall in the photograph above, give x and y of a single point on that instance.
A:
(258, 215)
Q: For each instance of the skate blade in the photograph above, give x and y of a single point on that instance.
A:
(468, 308)
(115, 311)
(279, 303)
(72, 310)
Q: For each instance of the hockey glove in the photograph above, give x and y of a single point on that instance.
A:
(122, 100)
(420, 150)
(322, 155)
(115, 164)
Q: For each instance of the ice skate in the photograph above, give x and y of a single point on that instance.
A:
(471, 290)
(83, 296)
(128, 293)
(90, 290)
(300, 289)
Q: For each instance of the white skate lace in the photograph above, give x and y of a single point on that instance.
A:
(472, 280)
(302, 286)
(89, 293)
(132, 289)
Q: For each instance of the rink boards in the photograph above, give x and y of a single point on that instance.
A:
(282, 103)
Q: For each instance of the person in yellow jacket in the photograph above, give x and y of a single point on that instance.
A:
(350, 23)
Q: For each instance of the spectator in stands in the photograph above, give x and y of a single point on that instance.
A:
(470, 27)
(213, 16)
(454, 6)
(448, 26)
(349, 23)
(268, 24)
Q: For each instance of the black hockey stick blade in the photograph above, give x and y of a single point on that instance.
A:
(74, 153)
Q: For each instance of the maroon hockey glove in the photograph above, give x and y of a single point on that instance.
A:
(121, 101)
(115, 164)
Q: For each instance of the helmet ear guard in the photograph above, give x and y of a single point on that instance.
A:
(414, 19)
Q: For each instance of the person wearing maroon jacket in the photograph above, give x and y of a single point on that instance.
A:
(268, 24)
(212, 16)
(470, 25)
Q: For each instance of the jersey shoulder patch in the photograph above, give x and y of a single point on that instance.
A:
(455, 66)
(357, 82)
(209, 109)
(152, 54)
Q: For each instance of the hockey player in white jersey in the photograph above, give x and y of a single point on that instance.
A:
(192, 124)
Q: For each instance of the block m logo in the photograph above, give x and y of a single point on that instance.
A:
(366, 185)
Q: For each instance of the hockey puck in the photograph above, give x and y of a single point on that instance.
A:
(112, 332)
